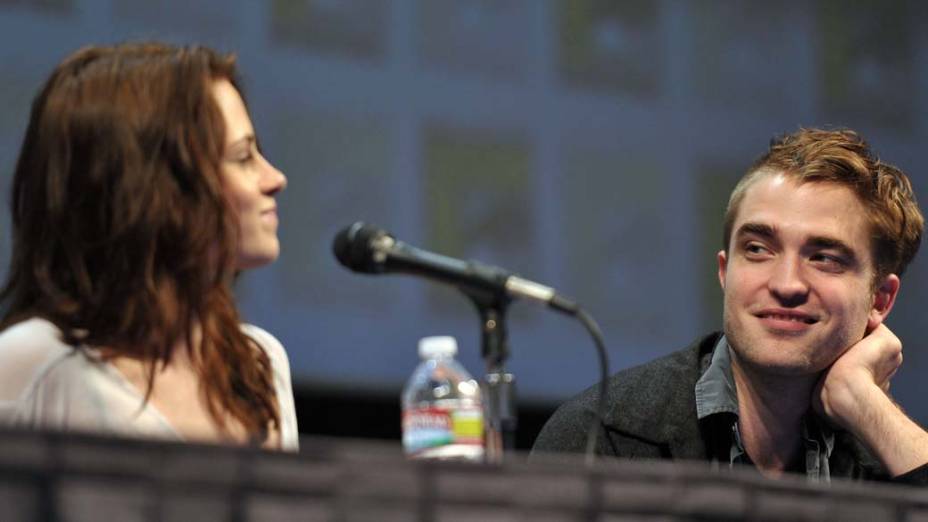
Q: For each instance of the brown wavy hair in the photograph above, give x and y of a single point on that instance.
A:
(842, 157)
(122, 234)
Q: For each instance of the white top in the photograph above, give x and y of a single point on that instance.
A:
(45, 383)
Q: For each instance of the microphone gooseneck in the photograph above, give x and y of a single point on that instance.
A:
(370, 250)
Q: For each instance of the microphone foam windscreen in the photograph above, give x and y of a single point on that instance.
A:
(352, 247)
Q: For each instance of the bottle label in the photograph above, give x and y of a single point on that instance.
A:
(426, 428)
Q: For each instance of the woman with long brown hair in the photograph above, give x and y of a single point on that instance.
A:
(139, 194)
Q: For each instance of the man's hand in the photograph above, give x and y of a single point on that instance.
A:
(854, 394)
(870, 363)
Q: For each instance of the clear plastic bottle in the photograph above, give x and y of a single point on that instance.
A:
(442, 408)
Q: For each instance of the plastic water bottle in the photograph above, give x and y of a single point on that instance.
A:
(442, 410)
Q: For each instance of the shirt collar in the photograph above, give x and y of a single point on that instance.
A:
(819, 440)
(715, 390)
(716, 393)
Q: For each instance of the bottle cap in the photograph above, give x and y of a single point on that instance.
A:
(437, 346)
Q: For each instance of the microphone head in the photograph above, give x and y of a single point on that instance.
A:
(352, 247)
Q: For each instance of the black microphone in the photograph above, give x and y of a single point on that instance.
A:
(369, 250)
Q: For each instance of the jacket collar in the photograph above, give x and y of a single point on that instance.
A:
(670, 384)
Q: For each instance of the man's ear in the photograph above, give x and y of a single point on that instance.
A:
(883, 300)
(723, 267)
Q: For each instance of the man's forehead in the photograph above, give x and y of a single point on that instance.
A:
(778, 204)
(771, 188)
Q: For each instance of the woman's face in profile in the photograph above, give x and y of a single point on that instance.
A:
(250, 181)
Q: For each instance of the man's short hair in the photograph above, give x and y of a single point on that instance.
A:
(842, 157)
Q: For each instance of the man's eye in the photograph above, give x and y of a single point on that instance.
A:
(754, 248)
(828, 259)
(823, 257)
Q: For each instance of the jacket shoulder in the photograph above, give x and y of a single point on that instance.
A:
(650, 407)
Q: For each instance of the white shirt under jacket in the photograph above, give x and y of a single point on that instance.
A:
(45, 383)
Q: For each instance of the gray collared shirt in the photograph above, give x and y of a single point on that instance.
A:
(717, 398)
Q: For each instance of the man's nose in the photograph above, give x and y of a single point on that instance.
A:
(788, 282)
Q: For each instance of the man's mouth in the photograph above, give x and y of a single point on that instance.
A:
(787, 317)
(781, 317)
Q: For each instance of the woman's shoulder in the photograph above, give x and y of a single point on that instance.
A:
(31, 335)
(261, 336)
(281, 367)
(27, 350)
(32, 343)
(271, 346)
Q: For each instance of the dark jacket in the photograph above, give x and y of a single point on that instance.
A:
(652, 415)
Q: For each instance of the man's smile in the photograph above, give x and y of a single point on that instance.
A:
(786, 320)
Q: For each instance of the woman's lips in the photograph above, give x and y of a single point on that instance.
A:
(270, 216)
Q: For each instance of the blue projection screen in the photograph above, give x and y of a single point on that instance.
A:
(589, 145)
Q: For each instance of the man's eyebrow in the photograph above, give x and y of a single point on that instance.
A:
(757, 229)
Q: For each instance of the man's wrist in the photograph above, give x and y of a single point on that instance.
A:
(877, 421)
(847, 399)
